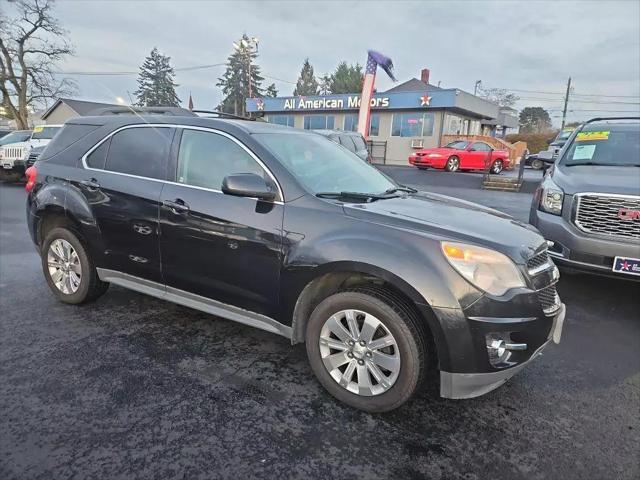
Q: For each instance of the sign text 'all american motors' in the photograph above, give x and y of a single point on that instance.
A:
(302, 103)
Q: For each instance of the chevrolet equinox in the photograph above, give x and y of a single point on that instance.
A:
(284, 230)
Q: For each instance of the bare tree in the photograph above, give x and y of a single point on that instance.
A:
(32, 42)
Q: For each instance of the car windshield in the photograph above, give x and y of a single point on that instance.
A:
(15, 137)
(605, 144)
(564, 135)
(323, 166)
(458, 145)
(44, 133)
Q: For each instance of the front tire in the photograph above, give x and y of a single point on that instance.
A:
(69, 269)
(453, 164)
(366, 350)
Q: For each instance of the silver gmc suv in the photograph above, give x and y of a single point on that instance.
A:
(588, 205)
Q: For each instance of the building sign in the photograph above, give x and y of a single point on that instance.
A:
(331, 103)
(412, 100)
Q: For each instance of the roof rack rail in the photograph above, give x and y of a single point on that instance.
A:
(127, 110)
(599, 119)
(223, 114)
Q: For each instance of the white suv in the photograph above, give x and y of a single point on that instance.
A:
(13, 156)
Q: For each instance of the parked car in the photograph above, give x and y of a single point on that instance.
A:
(13, 156)
(352, 141)
(279, 229)
(461, 155)
(15, 136)
(588, 204)
(542, 160)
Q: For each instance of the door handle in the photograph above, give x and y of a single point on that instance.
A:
(177, 206)
(90, 184)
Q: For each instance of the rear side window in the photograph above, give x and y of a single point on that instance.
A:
(205, 158)
(98, 157)
(140, 151)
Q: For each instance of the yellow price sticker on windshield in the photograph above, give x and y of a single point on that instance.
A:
(38, 129)
(590, 136)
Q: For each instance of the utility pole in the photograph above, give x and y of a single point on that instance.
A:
(475, 88)
(566, 101)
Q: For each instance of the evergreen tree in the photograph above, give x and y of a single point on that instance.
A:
(307, 83)
(272, 91)
(324, 85)
(156, 87)
(235, 80)
(346, 78)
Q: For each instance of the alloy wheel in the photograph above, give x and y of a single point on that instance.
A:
(64, 266)
(359, 352)
(497, 166)
(453, 163)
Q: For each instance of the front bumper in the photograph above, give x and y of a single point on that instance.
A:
(573, 248)
(425, 161)
(469, 385)
(12, 165)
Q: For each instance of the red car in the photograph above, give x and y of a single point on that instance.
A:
(460, 155)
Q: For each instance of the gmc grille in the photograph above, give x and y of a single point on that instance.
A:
(598, 214)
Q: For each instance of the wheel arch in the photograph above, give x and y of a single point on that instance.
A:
(338, 276)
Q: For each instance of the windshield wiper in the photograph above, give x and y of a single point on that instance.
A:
(400, 188)
(367, 197)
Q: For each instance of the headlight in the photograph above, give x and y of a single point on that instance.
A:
(487, 269)
(434, 155)
(551, 198)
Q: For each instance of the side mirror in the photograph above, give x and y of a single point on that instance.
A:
(248, 185)
(546, 156)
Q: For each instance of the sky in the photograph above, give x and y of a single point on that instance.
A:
(522, 46)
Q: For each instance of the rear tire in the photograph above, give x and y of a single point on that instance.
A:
(537, 164)
(497, 167)
(453, 164)
(370, 377)
(69, 269)
(422, 168)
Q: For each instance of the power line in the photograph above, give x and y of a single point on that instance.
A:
(572, 94)
(115, 73)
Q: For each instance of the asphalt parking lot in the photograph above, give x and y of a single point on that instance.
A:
(133, 387)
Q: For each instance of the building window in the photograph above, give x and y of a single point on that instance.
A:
(351, 124)
(319, 122)
(286, 120)
(374, 125)
(412, 125)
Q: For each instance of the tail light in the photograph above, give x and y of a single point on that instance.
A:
(31, 174)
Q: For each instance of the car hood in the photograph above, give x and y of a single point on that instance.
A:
(597, 179)
(447, 218)
(15, 144)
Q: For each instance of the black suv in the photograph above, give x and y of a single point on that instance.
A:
(282, 230)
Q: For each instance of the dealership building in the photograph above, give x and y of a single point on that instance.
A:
(414, 114)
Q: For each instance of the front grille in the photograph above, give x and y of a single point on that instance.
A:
(600, 214)
(549, 299)
(538, 263)
(14, 153)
